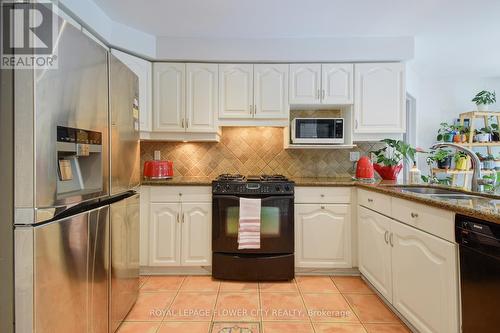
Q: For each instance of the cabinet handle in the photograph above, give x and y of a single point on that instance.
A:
(323, 94)
(385, 237)
(182, 122)
(390, 240)
(322, 195)
(183, 215)
(322, 207)
(356, 123)
(319, 94)
(413, 215)
(251, 108)
(177, 217)
(370, 200)
(187, 122)
(254, 110)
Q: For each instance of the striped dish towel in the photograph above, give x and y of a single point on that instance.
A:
(249, 227)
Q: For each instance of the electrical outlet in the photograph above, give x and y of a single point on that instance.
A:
(354, 156)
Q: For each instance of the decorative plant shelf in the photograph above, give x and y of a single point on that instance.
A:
(481, 115)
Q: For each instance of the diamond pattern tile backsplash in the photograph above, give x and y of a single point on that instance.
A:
(252, 151)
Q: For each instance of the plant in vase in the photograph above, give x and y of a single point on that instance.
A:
(445, 132)
(388, 160)
(442, 157)
(483, 134)
(465, 132)
(495, 133)
(489, 162)
(483, 99)
(460, 160)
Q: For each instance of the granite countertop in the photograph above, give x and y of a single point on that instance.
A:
(487, 207)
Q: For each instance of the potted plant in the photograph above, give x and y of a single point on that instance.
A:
(460, 160)
(483, 135)
(388, 160)
(465, 132)
(442, 157)
(445, 133)
(489, 162)
(483, 99)
(495, 133)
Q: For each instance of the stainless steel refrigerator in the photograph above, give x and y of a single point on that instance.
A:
(76, 160)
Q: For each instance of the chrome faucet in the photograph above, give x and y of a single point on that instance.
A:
(477, 178)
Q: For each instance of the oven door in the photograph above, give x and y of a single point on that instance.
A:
(277, 227)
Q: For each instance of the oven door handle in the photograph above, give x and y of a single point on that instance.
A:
(235, 197)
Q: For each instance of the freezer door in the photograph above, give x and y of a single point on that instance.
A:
(124, 99)
(124, 258)
(71, 260)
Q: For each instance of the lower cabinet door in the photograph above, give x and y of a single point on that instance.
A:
(196, 249)
(425, 282)
(165, 234)
(323, 236)
(374, 250)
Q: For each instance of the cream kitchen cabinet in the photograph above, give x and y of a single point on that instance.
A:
(374, 252)
(143, 69)
(323, 236)
(321, 84)
(379, 98)
(425, 279)
(202, 97)
(179, 222)
(416, 271)
(185, 97)
(249, 91)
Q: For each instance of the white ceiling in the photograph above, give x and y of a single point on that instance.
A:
(451, 36)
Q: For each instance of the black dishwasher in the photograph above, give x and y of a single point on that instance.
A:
(479, 246)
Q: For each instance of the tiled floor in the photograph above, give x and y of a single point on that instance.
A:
(318, 304)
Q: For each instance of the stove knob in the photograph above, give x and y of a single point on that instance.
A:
(277, 188)
(227, 187)
(287, 188)
(217, 188)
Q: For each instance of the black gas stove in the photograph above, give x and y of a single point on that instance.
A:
(262, 185)
(274, 260)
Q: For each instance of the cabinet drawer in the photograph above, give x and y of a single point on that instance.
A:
(322, 194)
(375, 201)
(435, 221)
(181, 193)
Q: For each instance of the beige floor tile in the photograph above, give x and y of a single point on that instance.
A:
(316, 284)
(188, 306)
(143, 279)
(351, 284)
(338, 328)
(185, 327)
(227, 286)
(150, 307)
(282, 306)
(386, 328)
(162, 283)
(371, 309)
(274, 287)
(200, 283)
(237, 307)
(329, 308)
(138, 327)
(282, 327)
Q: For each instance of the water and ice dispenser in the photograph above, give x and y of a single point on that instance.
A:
(79, 161)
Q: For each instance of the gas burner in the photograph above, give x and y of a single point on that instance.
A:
(230, 177)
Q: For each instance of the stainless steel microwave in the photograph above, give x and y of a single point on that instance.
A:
(318, 130)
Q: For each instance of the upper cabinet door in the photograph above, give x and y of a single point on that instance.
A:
(305, 83)
(236, 90)
(143, 69)
(271, 91)
(202, 102)
(169, 97)
(337, 83)
(379, 102)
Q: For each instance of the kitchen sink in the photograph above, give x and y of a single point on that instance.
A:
(458, 197)
(429, 190)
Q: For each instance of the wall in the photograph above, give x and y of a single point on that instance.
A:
(252, 151)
